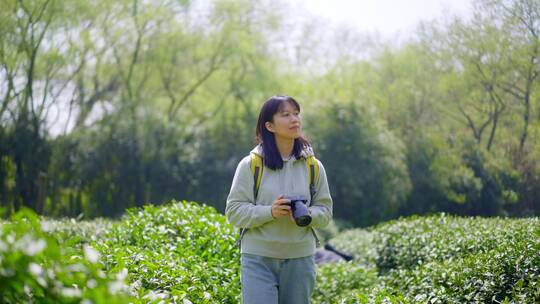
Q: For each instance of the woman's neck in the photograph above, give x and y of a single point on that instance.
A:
(285, 146)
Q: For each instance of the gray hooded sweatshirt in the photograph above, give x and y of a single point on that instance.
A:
(277, 237)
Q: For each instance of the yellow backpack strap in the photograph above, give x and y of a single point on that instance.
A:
(256, 171)
(313, 174)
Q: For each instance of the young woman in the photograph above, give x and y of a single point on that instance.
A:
(277, 255)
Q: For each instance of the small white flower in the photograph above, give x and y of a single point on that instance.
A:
(41, 281)
(122, 275)
(35, 269)
(162, 229)
(116, 286)
(51, 274)
(91, 283)
(76, 267)
(3, 246)
(152, 296)
(34, 247)
(71, 292)
(46, 226)
(91, 254)
(136, 285)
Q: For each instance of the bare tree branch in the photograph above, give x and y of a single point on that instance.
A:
(215, 62)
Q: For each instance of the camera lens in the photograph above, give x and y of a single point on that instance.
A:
(303, 220)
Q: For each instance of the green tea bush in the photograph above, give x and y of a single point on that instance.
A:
(503, 275)
(178, 252)
(183, 252)
(355, 281)
(443, 259)
(37, 267)
(82, 231)
(357, 242)
(409, 242)
(341, 282)
(328, 232)
(351, 283)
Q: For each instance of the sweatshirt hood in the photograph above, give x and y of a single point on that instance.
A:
(306, 152)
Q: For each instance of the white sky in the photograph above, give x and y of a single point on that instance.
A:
(386, 17)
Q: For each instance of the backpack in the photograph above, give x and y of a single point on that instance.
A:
(256, 170)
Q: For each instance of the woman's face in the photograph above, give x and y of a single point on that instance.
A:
(286, 122)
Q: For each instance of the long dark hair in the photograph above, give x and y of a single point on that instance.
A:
(272, 157)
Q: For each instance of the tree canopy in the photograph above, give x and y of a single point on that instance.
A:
(106, 105)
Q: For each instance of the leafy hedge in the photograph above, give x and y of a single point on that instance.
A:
(445, 259)
(351, 283)
(357, 242)
(407, 243)
(340, 281)
(79, 232)
(509, 275)
(183, 252)
(179, 252)
(38, 267)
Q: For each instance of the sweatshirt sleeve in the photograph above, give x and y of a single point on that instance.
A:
(321, 207)
(241, 210)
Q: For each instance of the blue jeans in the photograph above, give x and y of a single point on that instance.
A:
(276, 281)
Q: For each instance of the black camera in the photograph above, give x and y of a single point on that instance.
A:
(299, 209)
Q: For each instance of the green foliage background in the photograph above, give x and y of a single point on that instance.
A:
(107, 105)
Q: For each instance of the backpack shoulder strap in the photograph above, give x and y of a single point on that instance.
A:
(313, 174)
(256, 172)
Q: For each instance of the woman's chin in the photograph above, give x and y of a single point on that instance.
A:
(292, 136)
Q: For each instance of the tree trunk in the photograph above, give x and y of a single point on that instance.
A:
(526, 119)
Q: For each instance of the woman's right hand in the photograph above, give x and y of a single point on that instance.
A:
(281, 207)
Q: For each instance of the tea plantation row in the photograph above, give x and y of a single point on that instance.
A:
(446, 259)
(183, 252)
